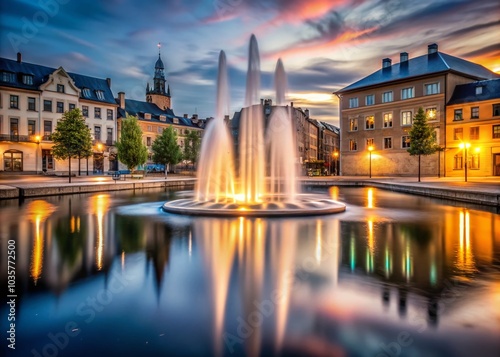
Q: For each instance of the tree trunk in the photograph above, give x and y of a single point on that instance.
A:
(69, 169)
(418, 168)
(166, 171)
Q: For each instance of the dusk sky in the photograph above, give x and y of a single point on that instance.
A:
(324, 44)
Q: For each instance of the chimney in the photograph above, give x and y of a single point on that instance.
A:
(432, 48)
(195, 116)
(403, 57)
(121, 99)
(261, 101)
(386, 62)
(307, 113)
(185, 116)
(291, 104)
(108, 80)
(19, 57)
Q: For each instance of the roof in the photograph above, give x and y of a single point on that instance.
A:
(427, 64)
(330, 127)
(41, 75)
(138, 108)
(466, 93)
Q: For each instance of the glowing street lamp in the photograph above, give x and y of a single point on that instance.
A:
(465, 146)
(370, 149)
(336, 156)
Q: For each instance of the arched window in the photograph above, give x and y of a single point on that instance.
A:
(13, 160)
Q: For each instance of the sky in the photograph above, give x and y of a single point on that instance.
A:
(325, 45)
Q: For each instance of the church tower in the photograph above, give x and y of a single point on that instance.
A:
(157, 94)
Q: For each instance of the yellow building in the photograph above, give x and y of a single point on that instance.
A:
(473, 130)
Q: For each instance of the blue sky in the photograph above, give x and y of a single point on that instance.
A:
(324, 44)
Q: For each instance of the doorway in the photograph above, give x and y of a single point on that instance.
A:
(496, 164)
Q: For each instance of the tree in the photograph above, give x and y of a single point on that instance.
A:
(131, 150)
(192, 144)
(165, 149)
(71, 138)
(422, 138)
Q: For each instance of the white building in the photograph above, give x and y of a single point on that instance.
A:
(33, 98)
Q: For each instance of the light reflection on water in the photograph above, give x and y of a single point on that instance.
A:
(345, 284)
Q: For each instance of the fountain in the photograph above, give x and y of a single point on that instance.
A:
(266, 183)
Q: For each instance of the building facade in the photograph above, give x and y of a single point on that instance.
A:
(377, 112)
(473, 130)
(33, 99)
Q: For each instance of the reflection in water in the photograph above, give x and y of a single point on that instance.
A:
(99, 206)
(465, 257)
(369, 200)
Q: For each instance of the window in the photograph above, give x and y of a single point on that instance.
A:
(387, 143)
(474, 112)
(31, 127)
(457, 115)
(407, 93)
(474, 161)
(160, 129)
(458, 161)
(353, 124)
(370, 142)
(369, 122)
(47, 160)
(109, 136)
(47, 105)
(496, 131)
(60, 88)
(353, 145)
(85, 111)
(8, 77)
(387, 120)
(97, 113)
(405, 141)
(431, 113)
(474, 133)
(31, 103)
(370, 99)
(99, 94)
(72, 106)
(86, 92)
(496, 110)
(353, 102)
(458, 134)
(109, 114)
(28, 79)
(406, 117)
(47, 129)
(479, 90)
(387, 97)
(431, 88)
(60, 107)
(148, 141)
(14, 127)
(14, 101)
(97, 133)
(149, 128)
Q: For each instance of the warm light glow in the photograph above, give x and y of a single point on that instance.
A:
(100, 204)
(464, 145)
(99, 147)
(318, 241)
(334, 192)
(370, 148)
(37, 139)
(465, 257)
(123, 260)
(477, 149)
(336, 154)
(370, 198)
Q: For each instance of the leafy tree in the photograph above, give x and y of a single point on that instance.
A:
(422, 138)
(192, 145)
(131, 150)
(165, 149)
(71, 138)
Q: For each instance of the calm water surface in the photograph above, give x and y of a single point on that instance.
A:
(112, 275)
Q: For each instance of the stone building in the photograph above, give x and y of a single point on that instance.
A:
(33, 98)
(378, 111)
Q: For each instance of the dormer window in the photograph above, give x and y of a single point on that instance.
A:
(479, 90)
(163, 118)
(8, 77)
(60, 88)
(86, 92)
(176, 120)
(28, 79)
(99, 94)
(147, 116)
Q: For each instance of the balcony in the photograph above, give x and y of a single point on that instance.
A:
(18, 138)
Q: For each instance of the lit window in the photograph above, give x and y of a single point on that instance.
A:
(474, 133)
(457, 115)
(406, 118)
(405, 141)
(353, 124)
(353, 102)
(432, 88)
(458, 161)
(370, 142)
(387, 120)
(474, 161)
(407, 93)
(370, 122)
(458, 134)
(387, 143)
(474, 112)
(496, 131)
(353, 145)
(370, 99)
(387, 97)
(431, 113)
(31, 127)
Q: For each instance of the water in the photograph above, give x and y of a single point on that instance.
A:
(112, 275)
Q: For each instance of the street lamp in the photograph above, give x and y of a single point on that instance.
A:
(370, 149)
(465, 146)
(101, 158)
(336, 155)
(37, 139)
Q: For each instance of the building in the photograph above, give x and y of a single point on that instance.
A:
(377, 111)
(33, 98)
(473, 129)
(330, 147)
(159, 94)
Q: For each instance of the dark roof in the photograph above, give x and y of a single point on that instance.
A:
(330, 127)
(138, 108)
(41, 74)
(465, 93)
(435, 63)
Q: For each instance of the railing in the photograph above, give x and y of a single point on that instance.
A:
(17, 138)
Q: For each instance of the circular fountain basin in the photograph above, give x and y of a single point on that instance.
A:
(303, 205)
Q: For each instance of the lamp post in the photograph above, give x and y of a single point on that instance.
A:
(101, 158)
(465, 146)
(37, 139)
(336, 170)
(370, 149)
